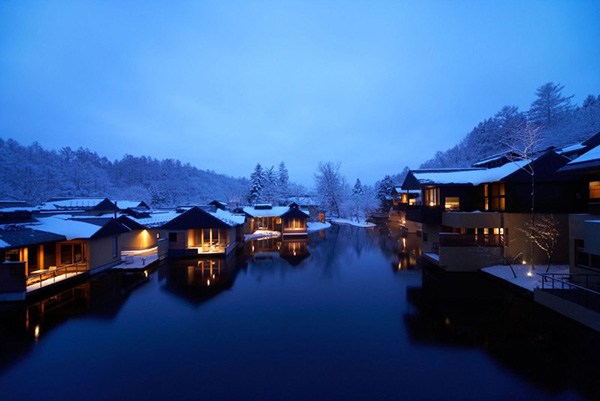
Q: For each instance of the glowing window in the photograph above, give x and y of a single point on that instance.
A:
(594, 189)
(495, 196)
(452, 203)
(431, 196)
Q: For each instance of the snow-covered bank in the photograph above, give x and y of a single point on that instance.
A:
(360, 223)
(313, 226)
(526, 278)
(261, 234)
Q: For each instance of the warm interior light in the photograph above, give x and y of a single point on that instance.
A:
(36, 331)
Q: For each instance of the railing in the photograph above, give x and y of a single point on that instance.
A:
(565, 281)
(581, 289)
(455, 239)
(46, 277)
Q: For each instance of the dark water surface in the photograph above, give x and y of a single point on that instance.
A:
(344, 316)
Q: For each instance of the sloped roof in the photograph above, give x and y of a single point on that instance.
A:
(274, 211)
(130, 223)
(293, 213)
(470, 176)
(545, 167)
(156, 218)
(71, 203)
(113, 227)
(105, 205)
(19, 236)
(195, 218)
(590, 159)
(73, 228)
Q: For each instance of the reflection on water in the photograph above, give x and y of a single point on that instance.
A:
(199, 279)
(526, 338)
(319, 317)
(24, 323)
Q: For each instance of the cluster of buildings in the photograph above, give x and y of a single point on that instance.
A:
(63, 238)
(541, 211)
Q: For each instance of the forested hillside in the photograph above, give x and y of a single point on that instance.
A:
(34, 174)
(561, 123)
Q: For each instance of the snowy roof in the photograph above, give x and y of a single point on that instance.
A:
(128, 204)
(468, 176)
(572, 148)
(230, 218)
(63, 225)
(275, 211)
(591, 155)
(3, 244)
(497, 159)
(73, 203)
(156, 218)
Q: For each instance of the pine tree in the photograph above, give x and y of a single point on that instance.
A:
(270, 185)
(358, 189)
(256, 185)
(384, 190)
(550, 105)
(283, 179)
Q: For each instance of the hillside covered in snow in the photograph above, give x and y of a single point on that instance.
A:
(34, 174)
(561, 123)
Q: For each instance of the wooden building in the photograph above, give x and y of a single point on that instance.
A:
(199, 232)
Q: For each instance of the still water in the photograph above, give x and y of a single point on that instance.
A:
(346, 315)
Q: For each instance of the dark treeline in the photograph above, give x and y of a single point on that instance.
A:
(34, 174)
(561, 123)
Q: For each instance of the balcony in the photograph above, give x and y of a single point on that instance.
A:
(576, 296)
(43, 278)
(472, 219)
(470, 240)
(424, 214)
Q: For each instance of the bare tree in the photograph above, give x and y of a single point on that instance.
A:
(331, 186)
(523, 144)
(544, 233)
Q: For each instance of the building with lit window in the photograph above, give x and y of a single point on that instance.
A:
(49, 250)
(203, 231)
(473, 217)
(287, 220)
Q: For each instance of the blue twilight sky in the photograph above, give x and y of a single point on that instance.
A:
(375, 85)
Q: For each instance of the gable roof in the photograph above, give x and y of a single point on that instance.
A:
(19, 236)
(295, 213)
(195, 218)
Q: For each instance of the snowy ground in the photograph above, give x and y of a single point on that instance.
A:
(135, 262)
(353, 222)
(262, 234)
(316, 226)
(526, 278)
